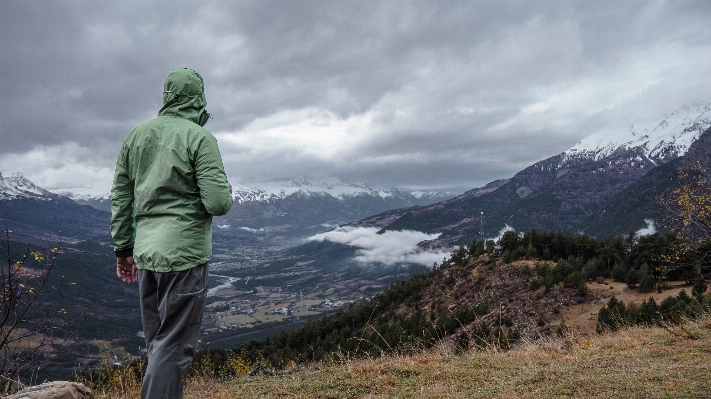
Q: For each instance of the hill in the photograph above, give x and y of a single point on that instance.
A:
(633, 363)
(472, 298)
(665, 361)
(478, 298)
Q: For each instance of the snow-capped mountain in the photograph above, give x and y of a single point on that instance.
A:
(608, 183)
(302, 187)
(101, 202)
(658, 142)
(35, 214)
(270, 213)
(18, 186)
(278, 212)
(82, 197)
(305, 187)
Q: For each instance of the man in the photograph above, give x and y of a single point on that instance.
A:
(168, 184)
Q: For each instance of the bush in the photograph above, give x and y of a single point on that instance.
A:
(700, 286)
(594, 267)
(632, 278)
(541, 320)
(31, 330)
(506, 257)
(612, 316)
(619, 272)
(647, 283)
(535, 285)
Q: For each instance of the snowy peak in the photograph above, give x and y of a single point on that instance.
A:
(18, 186)
(659, 141)
(80, 197)
(319, 186)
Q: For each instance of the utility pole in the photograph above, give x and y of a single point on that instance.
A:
(481, 226)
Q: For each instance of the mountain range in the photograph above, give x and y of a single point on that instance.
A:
(608, 183)
(36, 215)
(283, 213)
(605, 184)
(263, 214)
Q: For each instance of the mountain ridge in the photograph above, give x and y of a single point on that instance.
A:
(563, 192)
(658, 142)
(308, 185)
(18, 186)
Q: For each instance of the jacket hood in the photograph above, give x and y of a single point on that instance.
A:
(184, 96)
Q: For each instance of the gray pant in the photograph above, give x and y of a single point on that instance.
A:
(171, 308)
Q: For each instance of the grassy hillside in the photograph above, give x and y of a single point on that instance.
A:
(443, 334)
(669, 362)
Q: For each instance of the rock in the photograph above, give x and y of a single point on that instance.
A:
(53, 390)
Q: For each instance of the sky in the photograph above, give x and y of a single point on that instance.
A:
(423, 95)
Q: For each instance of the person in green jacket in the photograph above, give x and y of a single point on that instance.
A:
(169, 183)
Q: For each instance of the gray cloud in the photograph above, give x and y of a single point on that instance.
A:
(649, 229)
(446, 94)
(389, 248)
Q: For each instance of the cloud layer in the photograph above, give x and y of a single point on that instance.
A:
(389, 248)
(423, 95)
(649, 229)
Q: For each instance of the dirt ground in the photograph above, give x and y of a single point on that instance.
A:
(583, 317)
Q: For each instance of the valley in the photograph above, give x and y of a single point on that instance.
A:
(253, 300)
(267, 278)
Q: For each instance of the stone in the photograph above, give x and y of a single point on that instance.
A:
(54, 390)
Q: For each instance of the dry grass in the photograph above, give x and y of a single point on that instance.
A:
(634, 363)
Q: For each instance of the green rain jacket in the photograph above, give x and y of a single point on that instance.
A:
(169, 182)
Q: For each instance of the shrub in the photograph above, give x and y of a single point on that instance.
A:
(612, 316)
(632, 278)
(619, 272)
(700, 286)
(541, 320)
(535, 285)
(647, 282)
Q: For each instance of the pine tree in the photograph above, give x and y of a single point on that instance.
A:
(632, 278)
(647, 282)
(700, 286)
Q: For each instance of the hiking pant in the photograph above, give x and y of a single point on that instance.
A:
(171, 308)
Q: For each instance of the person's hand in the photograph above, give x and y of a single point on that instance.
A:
(126, 269)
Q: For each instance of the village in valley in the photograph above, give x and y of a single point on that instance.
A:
(250, 299)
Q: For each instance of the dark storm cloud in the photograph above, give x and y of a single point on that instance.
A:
(446, 94)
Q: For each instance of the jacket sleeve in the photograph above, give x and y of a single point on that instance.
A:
(211, 178)
(122, 219)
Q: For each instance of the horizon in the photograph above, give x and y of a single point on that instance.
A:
(586, 144)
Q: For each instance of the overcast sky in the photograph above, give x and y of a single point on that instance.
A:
(444, 95)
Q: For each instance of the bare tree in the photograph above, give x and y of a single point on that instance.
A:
(30, 331)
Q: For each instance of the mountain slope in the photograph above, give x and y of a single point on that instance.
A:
(567, 191)
(19, 187)
(657, 142)
(639, 200)
(35, 214)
